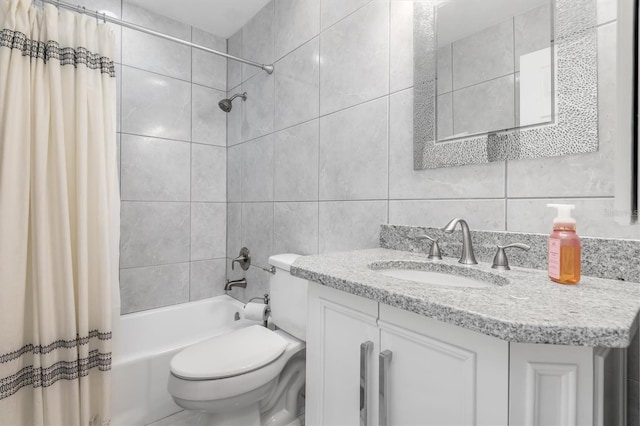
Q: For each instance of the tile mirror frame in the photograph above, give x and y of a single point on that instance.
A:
(575, 128)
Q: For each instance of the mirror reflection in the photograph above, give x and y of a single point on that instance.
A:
(494, 66)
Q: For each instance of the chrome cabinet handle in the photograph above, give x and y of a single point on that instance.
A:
(384, 359)
(365, 348)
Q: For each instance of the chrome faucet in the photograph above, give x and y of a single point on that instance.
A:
(242, 283)
(243, 259)
(467, 245)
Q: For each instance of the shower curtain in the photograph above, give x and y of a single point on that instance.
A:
(59, 216)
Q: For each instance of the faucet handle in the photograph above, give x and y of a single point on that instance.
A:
(434, 252)
(500, 260)
(243, 259)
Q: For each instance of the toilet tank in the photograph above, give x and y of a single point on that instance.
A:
(288, 297)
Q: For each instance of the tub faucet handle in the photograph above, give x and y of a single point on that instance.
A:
(243, 259)
(500, 260)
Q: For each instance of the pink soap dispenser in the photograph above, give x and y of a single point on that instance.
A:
(564, 247)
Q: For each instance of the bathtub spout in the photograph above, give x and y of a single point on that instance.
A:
(242, 283)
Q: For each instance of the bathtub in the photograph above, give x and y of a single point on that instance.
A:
(144, 344)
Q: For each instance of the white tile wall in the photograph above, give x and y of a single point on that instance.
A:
(344, 162)
(173, 161)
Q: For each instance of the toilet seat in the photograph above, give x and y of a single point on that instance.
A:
(230, 354)
(195, 390)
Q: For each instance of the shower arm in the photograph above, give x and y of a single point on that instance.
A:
(242, 95)
(103, 17)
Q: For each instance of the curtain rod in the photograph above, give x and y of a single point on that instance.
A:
(105, 18)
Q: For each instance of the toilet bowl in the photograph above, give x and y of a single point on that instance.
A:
(250, 376)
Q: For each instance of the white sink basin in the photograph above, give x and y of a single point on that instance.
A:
(434, 278)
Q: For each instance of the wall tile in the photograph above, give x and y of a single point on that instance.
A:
(296, 163)
(296, 22)
(208, 121)
(234, 118)
(153, 53)
(350, 225)
(607, 11)
(257, 231)
(148, 19)
(486, 215)
(257, 285)
(118, 97)
(209, 69)
(589, 174)
(444, 69)
(484, 107)
(234, 229)
(257, 169)
(208, 173)
(207, 279)
(257, 110)
(153, 105)
(234, 68)
(595, 217)
(532, 32)
(479, 180)
(297, 89)
(234, 173)
(154, 169)
(153, 233)
(483, 56)
(355, 58)
(353, 153)
(208, 230)
(334, 10)
(153, 286)
(258, 40)
(401, 45)
(118, 149)
(295, 228)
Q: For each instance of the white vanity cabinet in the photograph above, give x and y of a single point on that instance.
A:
(566, 385)
(372, 364)
(434, 374)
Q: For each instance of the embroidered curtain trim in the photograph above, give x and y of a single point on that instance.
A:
(67, 344)
(52, 50)
(61, 370)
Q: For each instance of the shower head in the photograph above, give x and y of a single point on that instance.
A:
(225, 104)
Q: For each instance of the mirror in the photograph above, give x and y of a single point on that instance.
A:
(494, 66)
(503, 79)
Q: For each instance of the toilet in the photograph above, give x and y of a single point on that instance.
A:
(250, 376)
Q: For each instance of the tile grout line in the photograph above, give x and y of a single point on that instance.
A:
(190, 166)
(319, 126)
(389, 115)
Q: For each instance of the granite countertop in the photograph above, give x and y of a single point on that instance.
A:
(522, 305)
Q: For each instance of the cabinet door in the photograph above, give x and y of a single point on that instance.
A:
(551, 385)
(338, 324)
(441, 374)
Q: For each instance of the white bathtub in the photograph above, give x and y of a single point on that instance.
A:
(144, 343)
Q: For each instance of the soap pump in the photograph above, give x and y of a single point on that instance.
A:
(564, 247)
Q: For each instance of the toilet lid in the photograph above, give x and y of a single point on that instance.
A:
(229, 354)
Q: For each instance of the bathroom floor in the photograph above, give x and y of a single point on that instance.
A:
(191, 418)
(183, 418)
